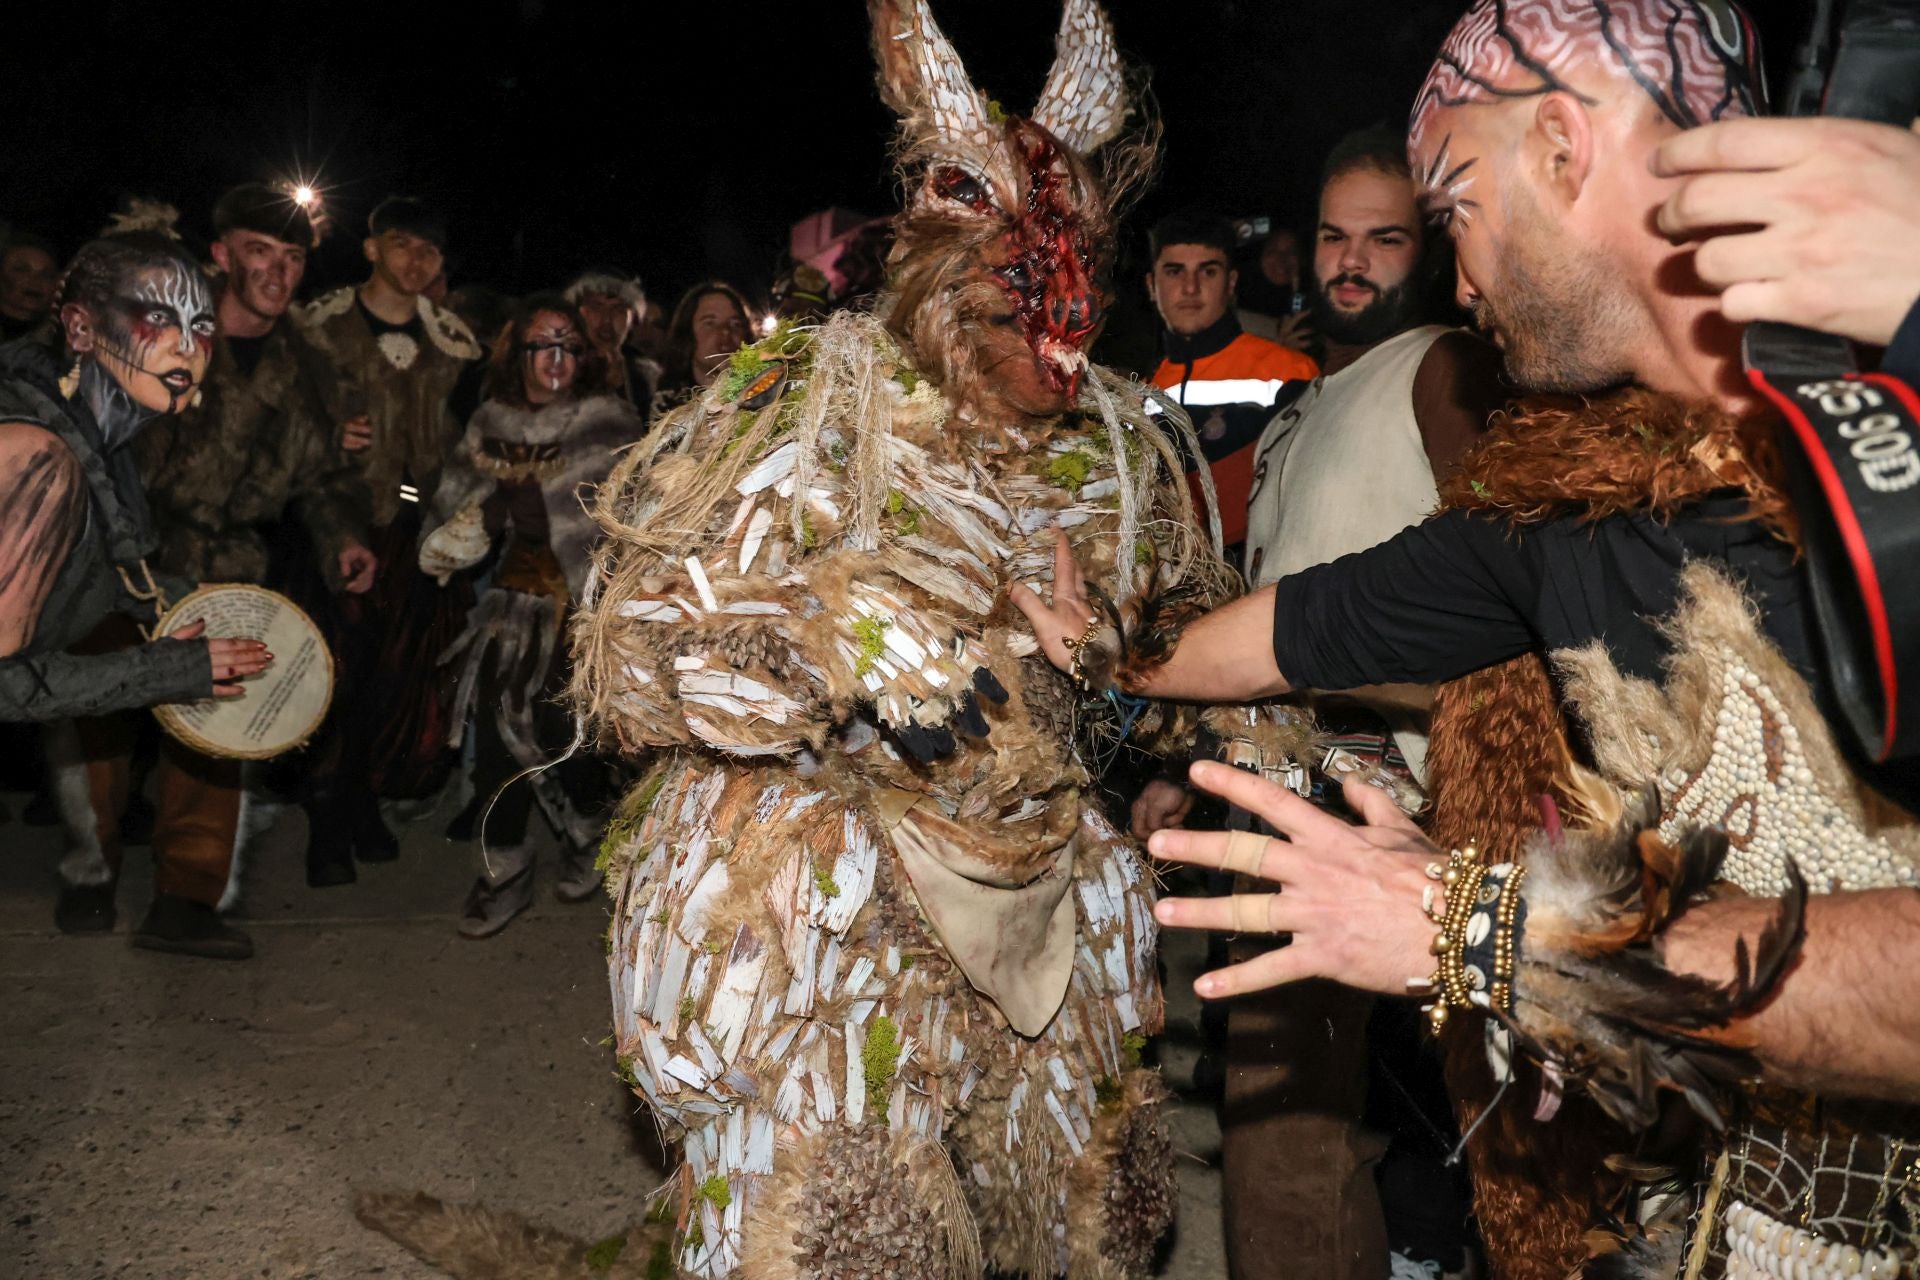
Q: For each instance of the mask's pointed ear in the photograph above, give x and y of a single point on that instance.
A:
(921, 77)
(1085, 101)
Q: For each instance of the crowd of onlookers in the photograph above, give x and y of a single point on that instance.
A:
(648, 355)
(1245, 315)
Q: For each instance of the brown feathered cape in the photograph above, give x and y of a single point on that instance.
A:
(1501, 740)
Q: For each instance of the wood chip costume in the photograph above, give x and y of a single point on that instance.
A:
(878, 960)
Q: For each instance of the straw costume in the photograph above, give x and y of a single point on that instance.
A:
(877, 957)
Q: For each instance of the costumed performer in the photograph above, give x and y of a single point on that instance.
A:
(137, 322)
(546, 434)
(878, 959)
(1614, 595)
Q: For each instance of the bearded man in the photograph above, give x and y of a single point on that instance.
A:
(1348, 462)
(1640, 539)
(396, 358)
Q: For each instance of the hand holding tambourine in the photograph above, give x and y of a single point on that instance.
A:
(272, 673)
(233, 660)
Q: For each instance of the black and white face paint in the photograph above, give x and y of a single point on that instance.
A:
(552, 351)
(157, 336)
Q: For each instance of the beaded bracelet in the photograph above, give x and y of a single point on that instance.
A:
(1498, 915)
(1479, 927)
(1461, 876)
(1078, 649)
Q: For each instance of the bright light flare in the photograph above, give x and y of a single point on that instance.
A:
(768, 324)
(305, 196)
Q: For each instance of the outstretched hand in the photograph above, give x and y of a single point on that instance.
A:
(232, 659)
(1351, 895)
(1064, 618)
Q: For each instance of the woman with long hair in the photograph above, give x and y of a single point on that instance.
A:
(512, 494)
(711, 322)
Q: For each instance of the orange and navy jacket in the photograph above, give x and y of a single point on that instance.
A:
(1228, 381)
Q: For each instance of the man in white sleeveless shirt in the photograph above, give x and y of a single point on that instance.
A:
(1347, 464)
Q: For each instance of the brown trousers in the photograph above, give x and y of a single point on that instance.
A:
(198, 808)
(1300, 1201)
(199, 796)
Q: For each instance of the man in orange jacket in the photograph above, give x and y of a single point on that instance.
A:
(1228, 380)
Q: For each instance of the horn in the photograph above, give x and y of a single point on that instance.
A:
(1085, 101)
(921, 74)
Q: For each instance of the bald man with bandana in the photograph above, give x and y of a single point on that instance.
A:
(1614, 597)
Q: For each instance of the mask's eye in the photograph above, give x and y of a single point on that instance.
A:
(958, 184)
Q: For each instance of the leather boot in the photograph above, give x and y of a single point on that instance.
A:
(329, 843)
(190, 928)
(372, 840)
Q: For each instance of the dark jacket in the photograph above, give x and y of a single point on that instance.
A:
(43, 682)
(259, 445)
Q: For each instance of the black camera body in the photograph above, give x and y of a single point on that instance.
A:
(1854, 436)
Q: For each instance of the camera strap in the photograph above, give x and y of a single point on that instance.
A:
(1858, 499)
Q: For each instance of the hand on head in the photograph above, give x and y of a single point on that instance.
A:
(1810, 222)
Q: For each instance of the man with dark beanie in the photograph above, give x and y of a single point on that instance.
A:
(262, 444)
(395, 359)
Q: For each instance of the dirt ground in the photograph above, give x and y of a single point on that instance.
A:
(173, 1118)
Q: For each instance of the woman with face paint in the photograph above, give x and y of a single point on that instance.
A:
(76, 592)
(512, 494)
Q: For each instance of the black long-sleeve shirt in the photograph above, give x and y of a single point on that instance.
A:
(1466, 590)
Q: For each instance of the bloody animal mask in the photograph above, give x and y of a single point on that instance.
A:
(998, 257)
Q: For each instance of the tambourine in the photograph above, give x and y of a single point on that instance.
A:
(283, 705)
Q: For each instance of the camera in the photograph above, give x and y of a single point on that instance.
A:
(1854, 439)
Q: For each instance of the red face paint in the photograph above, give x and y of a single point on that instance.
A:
(1048, 276)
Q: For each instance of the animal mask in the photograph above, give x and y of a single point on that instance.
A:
(998, 265)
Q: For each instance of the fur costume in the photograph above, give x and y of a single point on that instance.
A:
(257, 445)
(1723, 771)
(403, 379)
(523, 475)
(877, 958)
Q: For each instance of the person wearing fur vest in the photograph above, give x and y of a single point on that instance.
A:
(513, 489)
(1651, 901)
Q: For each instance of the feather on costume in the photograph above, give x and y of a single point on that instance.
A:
(874, 956)
(1722, 777)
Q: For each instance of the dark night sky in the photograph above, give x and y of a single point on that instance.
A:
(679, 139)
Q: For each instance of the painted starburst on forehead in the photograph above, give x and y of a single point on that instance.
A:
(1444, 184)
(1696, 60)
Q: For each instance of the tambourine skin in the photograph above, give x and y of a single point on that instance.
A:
(284, 705)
